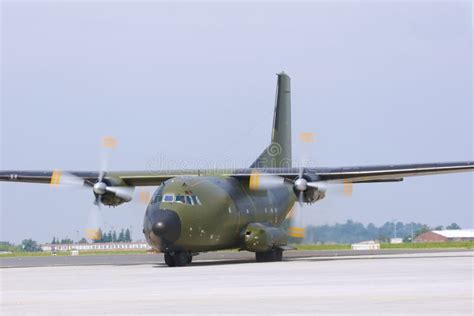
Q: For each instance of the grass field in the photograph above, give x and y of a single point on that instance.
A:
(445, 245)
(438, 245)
(434, 245)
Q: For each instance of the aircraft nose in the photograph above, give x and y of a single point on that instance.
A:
(166, 225)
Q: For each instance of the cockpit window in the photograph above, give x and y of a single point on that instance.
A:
(180, 199)
(168, 198)
(157, 199)
(198, 201)
(157, 196)
(183, 199)
(189, 200)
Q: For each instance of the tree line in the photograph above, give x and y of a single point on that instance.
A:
(123, 236)
(352, 232)
(30, 245)
(27, 245)
(112, 236)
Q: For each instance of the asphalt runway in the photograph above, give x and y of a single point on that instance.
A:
(426, 283)
(220, 257)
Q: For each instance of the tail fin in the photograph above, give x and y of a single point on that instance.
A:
(278, 153)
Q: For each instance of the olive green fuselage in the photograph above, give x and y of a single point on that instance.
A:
(217, 218)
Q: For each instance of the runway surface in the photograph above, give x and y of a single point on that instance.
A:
(399, 284)
(221, 257)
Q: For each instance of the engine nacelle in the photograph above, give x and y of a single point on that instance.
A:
(258, 237)
(111, 199)
(113, 192)
(312, 195)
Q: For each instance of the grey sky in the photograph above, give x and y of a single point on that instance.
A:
(379, 83)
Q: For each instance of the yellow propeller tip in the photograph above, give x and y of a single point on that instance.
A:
(93, 234)
(145, 197)
(296, 232)
(109, 142)
(307, 137)
(56, 178)
(254, 180)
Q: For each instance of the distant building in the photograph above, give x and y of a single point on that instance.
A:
(396, 240)
(97, 246)
(446, 235)
(366, 245)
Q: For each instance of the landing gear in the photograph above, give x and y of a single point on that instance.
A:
(269, 256)
(178, 259)
(169, 260)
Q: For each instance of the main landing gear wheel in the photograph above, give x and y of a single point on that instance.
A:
(269, 256)
(178, 259)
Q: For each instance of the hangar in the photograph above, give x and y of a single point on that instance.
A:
(446, 235)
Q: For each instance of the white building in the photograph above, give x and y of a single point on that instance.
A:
(366, 245)
(396, 240)
(97, 246)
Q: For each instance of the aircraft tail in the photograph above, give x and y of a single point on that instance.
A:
(278, 153)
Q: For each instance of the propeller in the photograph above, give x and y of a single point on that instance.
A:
(100, 188)
(301, 185)
(260, 181)
(94, 222)
(297, 225)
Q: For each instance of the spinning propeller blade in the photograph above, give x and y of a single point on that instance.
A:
(261, 181)
(93, 231)
(64, 179)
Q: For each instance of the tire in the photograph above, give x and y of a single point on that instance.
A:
(278, 254)
(180, 259)
(260, 256)
(269, 256)
(266, 256)
(169, 260)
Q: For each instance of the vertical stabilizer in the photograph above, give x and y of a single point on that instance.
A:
(278, 153)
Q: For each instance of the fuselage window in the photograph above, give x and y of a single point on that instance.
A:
(168, 198)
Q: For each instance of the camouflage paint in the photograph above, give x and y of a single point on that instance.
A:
(228, 207)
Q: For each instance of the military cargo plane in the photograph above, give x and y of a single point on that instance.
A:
(195, 211)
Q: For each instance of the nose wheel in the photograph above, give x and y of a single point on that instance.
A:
(269, 256)
(178, 259)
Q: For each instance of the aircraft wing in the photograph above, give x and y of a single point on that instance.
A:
(118, 178)
(42, 176)
(358, 174)
(388, 173)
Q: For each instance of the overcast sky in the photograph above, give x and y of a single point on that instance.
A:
(193, 84)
